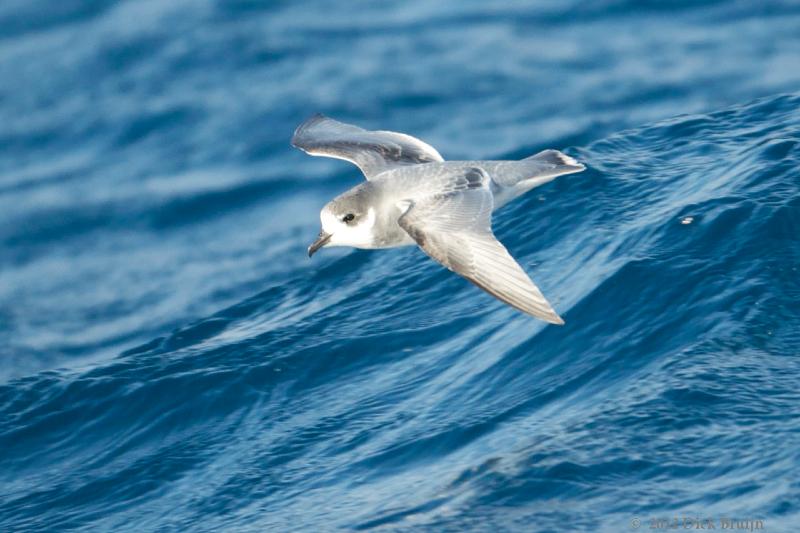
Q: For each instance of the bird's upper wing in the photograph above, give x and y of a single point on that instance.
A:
(455, 229)
(372, 151)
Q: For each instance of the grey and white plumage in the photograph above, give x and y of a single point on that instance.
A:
(413, 196)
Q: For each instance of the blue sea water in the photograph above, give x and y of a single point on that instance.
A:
(170, 360)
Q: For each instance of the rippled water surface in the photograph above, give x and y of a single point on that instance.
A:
(172, 361)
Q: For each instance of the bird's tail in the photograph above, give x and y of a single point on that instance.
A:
(518, 177)
(558, 160)
(546, 166)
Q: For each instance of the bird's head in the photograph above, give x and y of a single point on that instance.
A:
(346, 221)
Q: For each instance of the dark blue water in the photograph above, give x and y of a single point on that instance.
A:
(172, 361)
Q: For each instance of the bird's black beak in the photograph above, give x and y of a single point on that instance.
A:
(322, 240)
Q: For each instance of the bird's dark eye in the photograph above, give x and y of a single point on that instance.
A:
(348, 217)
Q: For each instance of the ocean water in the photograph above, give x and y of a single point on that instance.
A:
(170, 359)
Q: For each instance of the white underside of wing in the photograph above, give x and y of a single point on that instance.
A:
(373, 152)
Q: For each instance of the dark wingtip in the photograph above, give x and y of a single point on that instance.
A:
(307, 123)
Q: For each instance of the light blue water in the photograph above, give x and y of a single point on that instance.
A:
(172, 361)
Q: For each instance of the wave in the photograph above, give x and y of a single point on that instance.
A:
(380, 391)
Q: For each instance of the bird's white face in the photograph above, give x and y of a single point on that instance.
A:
(349, 229)
(345, 229)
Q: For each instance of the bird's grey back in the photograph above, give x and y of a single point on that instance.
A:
(441, 177)
(390, 191)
